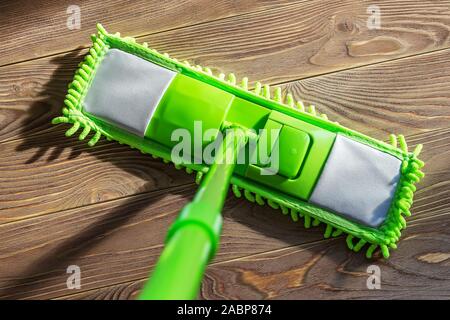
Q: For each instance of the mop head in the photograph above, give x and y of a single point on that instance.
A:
(329, 174)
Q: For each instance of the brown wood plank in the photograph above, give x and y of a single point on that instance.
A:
(31, 29)
(388, 97)
(328, 270)
(50, 172)
(325, 269)
(32, 93)
(310, 38)
(406, 96)
(116, 242)
(119, 240)
(274, 45)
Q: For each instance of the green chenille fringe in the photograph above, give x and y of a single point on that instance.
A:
(385, 237)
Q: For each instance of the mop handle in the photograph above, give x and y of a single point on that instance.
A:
(193, 238)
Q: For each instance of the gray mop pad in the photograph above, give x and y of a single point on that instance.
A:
(126, 90)
(357, 182)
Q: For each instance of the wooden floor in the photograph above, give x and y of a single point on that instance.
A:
(107, 208)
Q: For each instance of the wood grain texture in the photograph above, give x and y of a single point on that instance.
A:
(325, 269)
(119, 241)
(32, 93)
(318, 35)
(49, 172)
(262, 255)
(310, 38)
(274, 45)
(405, 96)
(374, 99)
(30, 30)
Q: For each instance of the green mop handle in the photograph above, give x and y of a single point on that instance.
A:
(193, 238)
